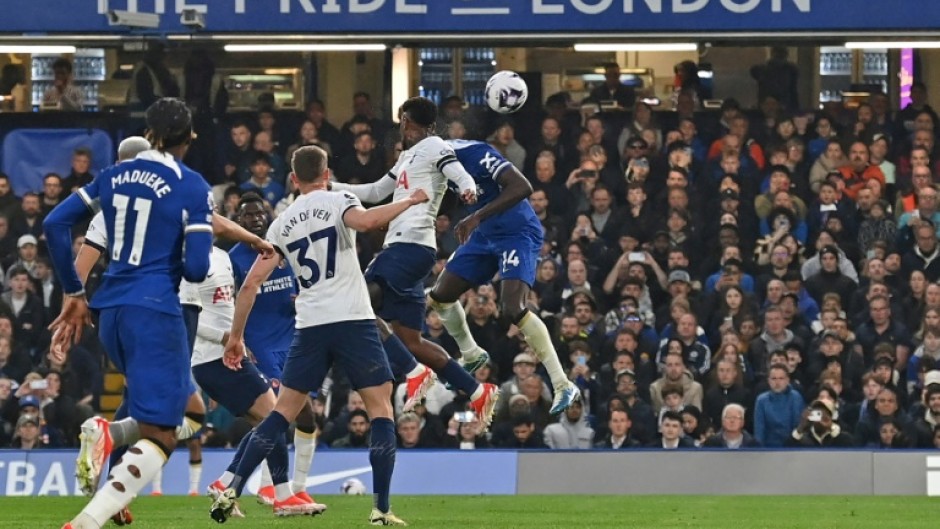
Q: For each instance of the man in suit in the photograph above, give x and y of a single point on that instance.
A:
(613, 89)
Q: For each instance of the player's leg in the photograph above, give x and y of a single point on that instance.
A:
(513, 293)
(474, 263)
(305, 369)
(195, 416)
(156, 366)
(362, 358)
(305, 444)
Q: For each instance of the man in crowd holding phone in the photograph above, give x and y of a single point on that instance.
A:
(817, 429)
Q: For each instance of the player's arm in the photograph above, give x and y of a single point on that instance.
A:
(235, 345)
(369, 193)
(455, 172)
(211, 333)
(224, 228)
(197, 237)
(361, 219)
(57, 227)
(514, 188)
(87, 256)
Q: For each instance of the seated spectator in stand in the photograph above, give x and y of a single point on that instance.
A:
(14, 365)
(859, 171)
(28, 434)
(9, 204)
(777, 411)
(732, 434)
(642, 418)
(367, 164)
(619, 436)
(261, 181)
(28, 312)
(886, 410)
(671, 395)
(64, 94)
(47, 288)
(465, 435)
(922, 256)
(670, 428)
(80, 171)
(923, 429)
(240, 155)
(52, 192)
(359, 431)
(524, 434)
(60, 411)
(830, 277)
(930, 349)
(572, 430)
(409, 428)
(26, 252)
(696, 426)
(675, 372)
(264, 142)
(28, 220)
(818, 429)
(729, 390)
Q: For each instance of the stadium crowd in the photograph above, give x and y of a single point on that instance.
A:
(734, 278)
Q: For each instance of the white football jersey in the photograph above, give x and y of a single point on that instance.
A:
(97, 233)
(420, 167)
(321, 250)
(217, 297)
(97, 237)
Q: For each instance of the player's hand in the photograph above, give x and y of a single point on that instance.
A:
(265, 248)
(418, 196)
(465, 227)
(469, 196)
(67, 328)
(234, 353)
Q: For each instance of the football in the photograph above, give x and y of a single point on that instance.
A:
(506, 92)
(353, 486)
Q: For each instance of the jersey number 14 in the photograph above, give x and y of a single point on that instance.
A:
(302, 247)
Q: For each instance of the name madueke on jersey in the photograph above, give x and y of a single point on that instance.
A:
(146, 178)
(304, 216)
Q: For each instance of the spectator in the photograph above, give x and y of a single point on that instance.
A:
(9, 204)
(14, 365)
(28, 434)
(409, 427)
(886, 410)
(261, 181)
(642, 417)
(51, 192)
(151, 79)
(830, 277)
(358, 427)
(325, 131)
(524, 434)
(80, 172)
(670, 427)
(859, 170)
(675, 372)
(817, 428)
(28, 220)
(572, 430)
(777, 411)
(728, 390)
(778, 78)
(28, 312)
(366, 166)
(63, 94)
(466, 435)
(732, 434)
(923, 256)
(27, 250)
(612, 89)
(620, 437)
(308, 135)
(882, 328)
(503, 139)
(239, 157)
(264, 143)
(924, 427)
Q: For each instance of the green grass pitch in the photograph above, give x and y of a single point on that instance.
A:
(536, 512)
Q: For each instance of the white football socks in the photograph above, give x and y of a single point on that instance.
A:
(536, 335)
(455, 321)
(305, 444)
(137, 468)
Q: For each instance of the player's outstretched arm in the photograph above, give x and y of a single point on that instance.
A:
(514, 188)
(369, 193)
(58, 230)
(235, 346)
(462, 179)
(361, 219)
(224, 228)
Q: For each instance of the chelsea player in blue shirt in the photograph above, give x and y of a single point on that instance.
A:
(154, 207)
(501, 235)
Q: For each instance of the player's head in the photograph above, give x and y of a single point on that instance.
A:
(416, 117)
(252, 214)
(309, 166)
(169, 124)
(131, 146)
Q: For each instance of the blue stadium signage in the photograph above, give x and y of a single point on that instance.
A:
(450, 16)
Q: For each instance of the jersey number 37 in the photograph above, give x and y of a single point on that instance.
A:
(303, 246)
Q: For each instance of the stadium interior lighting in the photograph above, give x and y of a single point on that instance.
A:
(931, 44)
(303, 47)
(663, 46)
(25, 48)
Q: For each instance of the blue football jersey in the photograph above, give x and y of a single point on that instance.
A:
(149, 205)
(270, 326)
(484, 163)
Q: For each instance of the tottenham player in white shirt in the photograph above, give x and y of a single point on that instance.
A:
(396, 276)
(335, 323)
